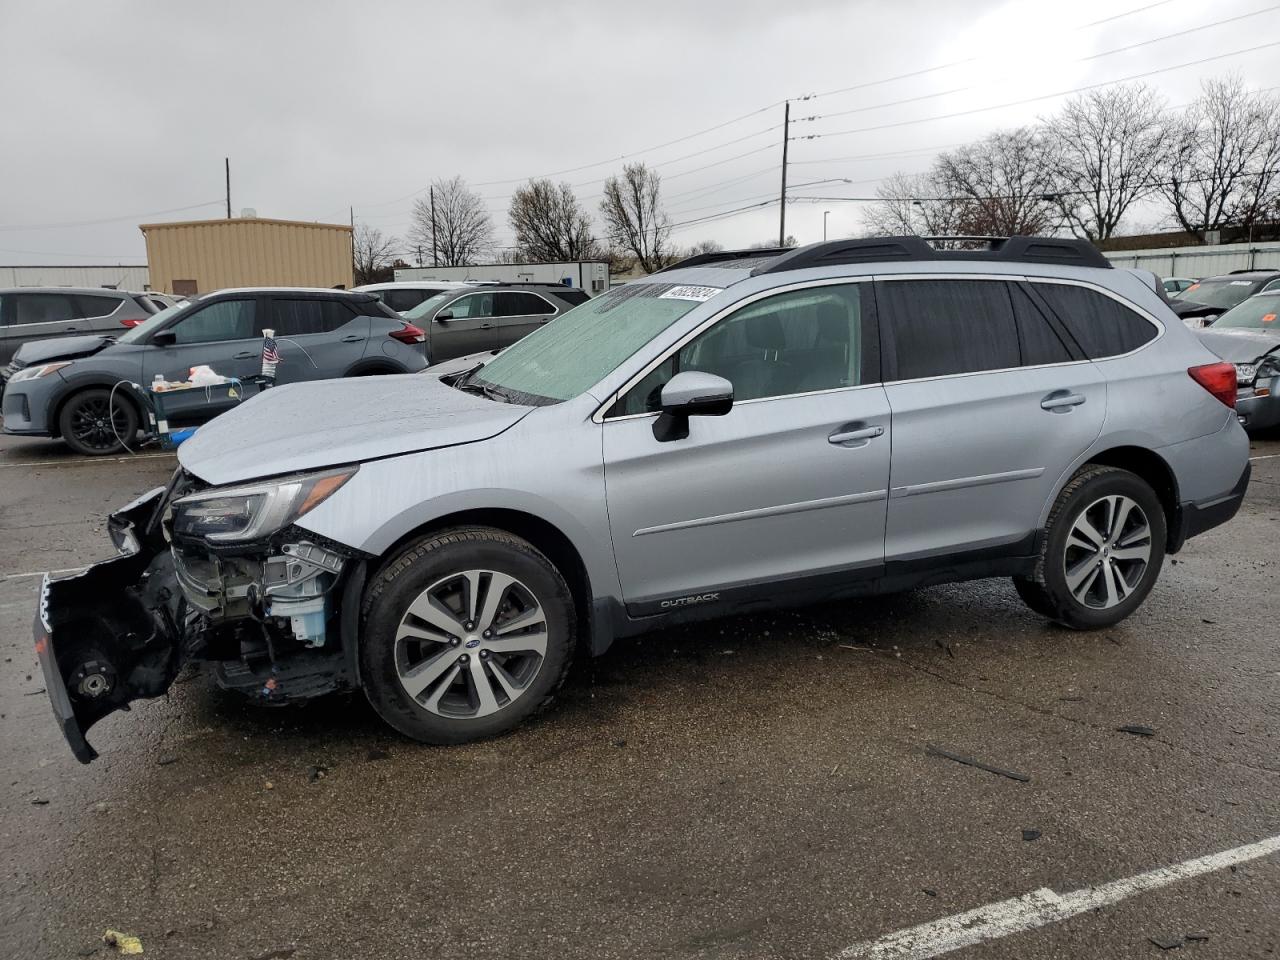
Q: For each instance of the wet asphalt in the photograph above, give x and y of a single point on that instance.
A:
(748, 788)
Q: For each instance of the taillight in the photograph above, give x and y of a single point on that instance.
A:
(411, 334)
(130, 322)
(1219, 379)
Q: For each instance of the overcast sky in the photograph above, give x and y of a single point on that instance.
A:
(122, 110)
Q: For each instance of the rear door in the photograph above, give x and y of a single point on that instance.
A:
(991, 402)
(105, 314)
(317, 338)
(518, 314)
(40, 316)
(224, 335)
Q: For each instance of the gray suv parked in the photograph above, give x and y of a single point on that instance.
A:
(740, 431)
(64, 388)
(38, 313)
(491, 316)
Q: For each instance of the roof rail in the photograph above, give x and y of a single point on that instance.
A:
(1077, 253)
(723, 256)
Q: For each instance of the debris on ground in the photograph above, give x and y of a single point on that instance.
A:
(122, 942)
(1166, 943)
(1207, 620)
(377, 754)
(268, 785)
(619, 743)
(1137, 729)
(971, 762)
(1197, 938)
(39, 801)
(165, 761)
(1031, 834)
(277, 953)
(317, 772)
(930, 893)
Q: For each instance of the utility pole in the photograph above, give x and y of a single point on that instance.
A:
(352, 212)
(435, 254)
(825, 213)
(227, 162)
(782, 203)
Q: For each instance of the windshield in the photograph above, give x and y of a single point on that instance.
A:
(1258, 313)
(428, 306)
(1222, 293)
(152, 323)
(583, 345)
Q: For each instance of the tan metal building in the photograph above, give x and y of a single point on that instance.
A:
(199, 256)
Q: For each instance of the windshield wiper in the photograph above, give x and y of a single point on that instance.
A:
(480, 389)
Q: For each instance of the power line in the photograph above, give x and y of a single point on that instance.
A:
(1046, 96)
(90, 223)
(1095, 56)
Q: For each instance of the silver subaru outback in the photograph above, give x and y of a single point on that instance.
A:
(741, 430)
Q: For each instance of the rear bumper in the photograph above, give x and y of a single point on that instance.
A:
(1258, 413)
(1195, 518)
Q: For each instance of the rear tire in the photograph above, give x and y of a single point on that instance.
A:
(1101, 552)
(467, 633)
(93, 424)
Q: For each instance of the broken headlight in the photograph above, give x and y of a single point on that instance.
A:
(254, 510)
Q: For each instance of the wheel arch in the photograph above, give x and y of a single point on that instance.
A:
(545, 536)
(373, 367)
(60, 401)
(1151, 467)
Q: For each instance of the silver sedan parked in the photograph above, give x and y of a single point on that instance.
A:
(1249, 337)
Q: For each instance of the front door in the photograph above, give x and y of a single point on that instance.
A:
(991, 403)
(316, 338)
(462, 327)
(519, 313)
(790, 485)
(222, 335)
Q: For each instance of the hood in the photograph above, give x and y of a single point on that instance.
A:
(60, 348)
(1238, 345)
(307, 426)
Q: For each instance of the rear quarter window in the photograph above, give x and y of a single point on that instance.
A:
(1101, 325)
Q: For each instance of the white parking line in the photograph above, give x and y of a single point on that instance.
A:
(1039, 908)
(39, 573)
(1269, 456)
(85, 462)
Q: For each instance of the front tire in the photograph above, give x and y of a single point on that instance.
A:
(467, 633)
(93, 424)
(1101, 552)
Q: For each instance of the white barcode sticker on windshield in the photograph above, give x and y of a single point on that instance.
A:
(701, 294)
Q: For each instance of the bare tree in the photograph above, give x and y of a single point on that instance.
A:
(703, 246)
(911, 205)
(1224, 169)
(1106, 148)
(372, 254)
(634, 219)
(459, 231)
(1003, 184)
(550, 224)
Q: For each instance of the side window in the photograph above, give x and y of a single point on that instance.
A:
(472, 306)
(1040, 342)
(796, 342)
(91, 306)
(295, 318)
(944, 327)
(224, 320)
(1102, 326)
(43, 308)
(402, 300)
(516, 304)
(1273, 285)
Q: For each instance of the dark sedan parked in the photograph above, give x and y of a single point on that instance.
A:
(1249, 336)
(1204, 301)
(66, 388)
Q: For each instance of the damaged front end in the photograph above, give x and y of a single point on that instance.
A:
(210, 575)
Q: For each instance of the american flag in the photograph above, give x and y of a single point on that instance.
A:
(269, 352)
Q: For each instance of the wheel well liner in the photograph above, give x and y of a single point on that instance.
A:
(1151, 467)
(373, 367)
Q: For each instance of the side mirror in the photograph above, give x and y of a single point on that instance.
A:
(444, 316)
(164, 338)
(690, 394)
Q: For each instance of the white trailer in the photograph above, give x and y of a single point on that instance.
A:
(589, 275)
(1202, 261)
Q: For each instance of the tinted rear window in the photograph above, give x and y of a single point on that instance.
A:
(298, 317)
(1039, 341)
(1101, 325)
(572, 296)
(944, 327)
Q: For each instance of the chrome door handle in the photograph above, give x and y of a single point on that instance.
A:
(865, 433)
(355, 338)
(245, 356)
(1059, 401)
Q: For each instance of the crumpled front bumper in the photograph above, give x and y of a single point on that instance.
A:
(112, 634)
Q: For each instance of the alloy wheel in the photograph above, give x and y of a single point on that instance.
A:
(1108, 552)
(99, 425)
(471, 644)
